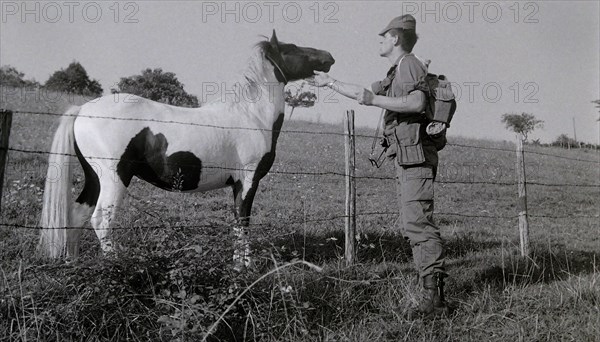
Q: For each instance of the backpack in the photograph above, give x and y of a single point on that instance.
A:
(440, 107)
(439, 110)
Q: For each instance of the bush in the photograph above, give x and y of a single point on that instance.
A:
(75, 80)
(158, 86)
(11, 77)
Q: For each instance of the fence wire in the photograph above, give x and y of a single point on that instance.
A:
(304, 220)
(297, 221)
(322, 173)
(290, 132)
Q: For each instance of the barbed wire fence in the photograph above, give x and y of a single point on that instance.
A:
(5, 148)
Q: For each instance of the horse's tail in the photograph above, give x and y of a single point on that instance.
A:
(56, 210)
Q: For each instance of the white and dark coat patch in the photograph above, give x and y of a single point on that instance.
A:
(91, 189)
(145, 157)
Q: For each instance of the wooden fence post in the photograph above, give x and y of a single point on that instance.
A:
(5, 124)
(350, 231)
(522, 204)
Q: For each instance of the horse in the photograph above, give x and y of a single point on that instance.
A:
(173, 148)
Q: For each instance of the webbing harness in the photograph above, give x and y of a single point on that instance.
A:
(377, 161)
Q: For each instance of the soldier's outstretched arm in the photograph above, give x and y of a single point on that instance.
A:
(322, 79)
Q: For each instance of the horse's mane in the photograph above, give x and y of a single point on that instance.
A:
(252, 80)
(255, 71)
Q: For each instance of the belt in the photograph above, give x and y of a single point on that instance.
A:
(394, 119)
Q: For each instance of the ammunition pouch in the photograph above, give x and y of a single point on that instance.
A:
(406, 143)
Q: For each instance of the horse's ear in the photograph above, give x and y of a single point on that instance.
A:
(274, 41)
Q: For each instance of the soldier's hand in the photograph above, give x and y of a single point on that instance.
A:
(320, 79)
(366, 97)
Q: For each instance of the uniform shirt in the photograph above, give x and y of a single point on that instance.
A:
(405, 78)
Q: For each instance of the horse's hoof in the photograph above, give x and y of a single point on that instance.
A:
(109, 252)
(242, 263)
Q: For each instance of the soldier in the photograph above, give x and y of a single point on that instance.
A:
(402, 97)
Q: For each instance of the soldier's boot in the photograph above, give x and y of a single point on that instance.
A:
(433, 304)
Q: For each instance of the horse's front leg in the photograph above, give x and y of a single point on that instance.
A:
(244, 196)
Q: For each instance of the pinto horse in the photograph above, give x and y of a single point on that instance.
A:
(222, 144)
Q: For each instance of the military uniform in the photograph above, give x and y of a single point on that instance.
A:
(416, 166)
(415, 156)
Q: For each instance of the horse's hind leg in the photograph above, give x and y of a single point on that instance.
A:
(110, 198)
(80, 213)
(83, 207)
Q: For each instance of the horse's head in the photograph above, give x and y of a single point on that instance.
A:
(293, 62)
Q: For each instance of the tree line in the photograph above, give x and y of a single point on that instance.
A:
(153, 84)
(525, 123)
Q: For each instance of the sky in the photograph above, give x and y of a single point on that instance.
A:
(502, 57)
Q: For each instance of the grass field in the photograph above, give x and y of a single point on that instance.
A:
(174, 279)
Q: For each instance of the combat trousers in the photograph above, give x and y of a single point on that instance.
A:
(415, 192)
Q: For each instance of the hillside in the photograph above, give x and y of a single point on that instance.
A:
(173, 278)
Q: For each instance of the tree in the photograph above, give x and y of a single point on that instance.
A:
(523, 123)
(300, 98)
(158, 86)
(597, 102)
(11, 77)
(565, 141)
(75, 80)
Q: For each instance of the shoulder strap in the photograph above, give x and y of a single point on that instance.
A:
(425, 62)
(389, 91)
